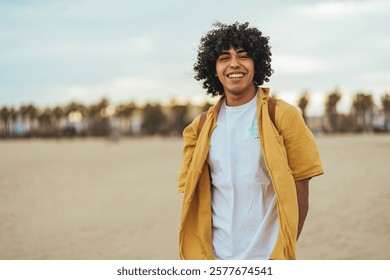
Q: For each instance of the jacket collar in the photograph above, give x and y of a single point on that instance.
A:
(263, 94)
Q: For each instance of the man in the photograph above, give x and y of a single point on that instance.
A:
(245, 174)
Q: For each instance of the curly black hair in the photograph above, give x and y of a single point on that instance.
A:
(223, 37)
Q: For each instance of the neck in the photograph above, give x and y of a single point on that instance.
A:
(238, 99)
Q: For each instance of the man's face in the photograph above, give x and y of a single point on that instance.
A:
(235, 70)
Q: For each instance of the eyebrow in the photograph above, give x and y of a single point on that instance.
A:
(238, 51)
(224, 52)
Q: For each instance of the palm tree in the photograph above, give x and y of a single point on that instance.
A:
(29, 114)
(363, 105)
(78, 108)
(13, 116)
(154, 120)
(178, 116)
(331, 109)
(76, 115)
(302, 103)
(4, 116)
(57, 114)
(386, 110)
(124, 113)
(45, 122)
(99, 125)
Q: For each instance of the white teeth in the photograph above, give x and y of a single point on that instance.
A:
(240, 75)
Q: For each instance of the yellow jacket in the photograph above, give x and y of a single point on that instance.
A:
(290, 153)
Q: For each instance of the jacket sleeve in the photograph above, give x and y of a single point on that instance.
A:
(190, 138)
(301, 148)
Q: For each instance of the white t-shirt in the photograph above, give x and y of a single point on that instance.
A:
(244, 214)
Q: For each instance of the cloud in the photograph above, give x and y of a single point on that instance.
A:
(83, 50)
(376, 82)
(137, 88)
(376, 76)
(123, 88)
(340, 9)
(294, 64)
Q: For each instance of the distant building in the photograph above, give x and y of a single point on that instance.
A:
(19, 128)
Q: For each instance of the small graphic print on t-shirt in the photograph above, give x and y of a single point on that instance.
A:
(253, 130)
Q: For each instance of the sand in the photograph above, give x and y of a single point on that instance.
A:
(95, 199)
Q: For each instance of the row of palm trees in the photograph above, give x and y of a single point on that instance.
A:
(105, 119)
(364, 115)
(99, 119)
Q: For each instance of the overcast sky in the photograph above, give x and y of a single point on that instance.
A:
(53, 52)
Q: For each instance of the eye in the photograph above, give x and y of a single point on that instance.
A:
(223, 58)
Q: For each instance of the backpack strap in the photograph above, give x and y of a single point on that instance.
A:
(271, 111)
(201, 121)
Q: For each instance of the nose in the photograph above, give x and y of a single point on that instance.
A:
(234, 62)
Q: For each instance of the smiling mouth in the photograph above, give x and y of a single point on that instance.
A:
(235, 75)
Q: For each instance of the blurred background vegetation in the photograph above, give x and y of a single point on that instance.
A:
(128, 119)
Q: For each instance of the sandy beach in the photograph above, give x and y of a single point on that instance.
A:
(96, 199)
